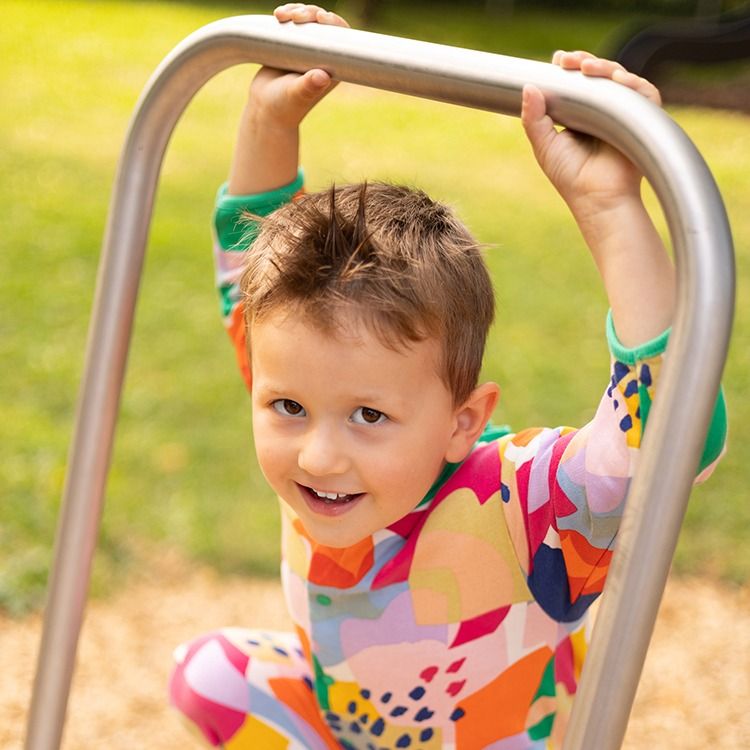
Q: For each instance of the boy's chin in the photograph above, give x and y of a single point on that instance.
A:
(333, 525)
(337, 538)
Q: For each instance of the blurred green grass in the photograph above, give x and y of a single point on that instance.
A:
(184, 472)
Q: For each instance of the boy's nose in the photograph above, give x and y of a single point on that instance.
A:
(321, 454)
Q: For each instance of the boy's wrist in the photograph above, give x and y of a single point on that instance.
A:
(267, 118)
(630, 355)
(266, 154)
(597, 216)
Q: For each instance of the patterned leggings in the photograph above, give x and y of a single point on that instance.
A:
(249, 689)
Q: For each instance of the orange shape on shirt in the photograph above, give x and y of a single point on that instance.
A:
(297, 696)
(340, 567)
(586, 565)
(499, 709)
(236, 331)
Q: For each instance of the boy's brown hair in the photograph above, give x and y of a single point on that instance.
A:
(403, 263)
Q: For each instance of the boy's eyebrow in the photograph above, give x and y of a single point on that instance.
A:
(269, 390)
(360, 399)
(389, 403)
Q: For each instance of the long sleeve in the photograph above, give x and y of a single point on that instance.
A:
(234, 231)
(565, 489)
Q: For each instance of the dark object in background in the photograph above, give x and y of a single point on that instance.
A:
(652, 50)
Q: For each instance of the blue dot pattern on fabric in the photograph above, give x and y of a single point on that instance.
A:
(631, 389)
(620, 370)
(645, 375)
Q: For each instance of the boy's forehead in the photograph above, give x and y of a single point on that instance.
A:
(333, 375)
(344, 323)
(294, 339)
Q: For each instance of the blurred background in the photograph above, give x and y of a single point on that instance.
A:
(184, 479)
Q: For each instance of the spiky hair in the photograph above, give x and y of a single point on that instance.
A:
(403, 263)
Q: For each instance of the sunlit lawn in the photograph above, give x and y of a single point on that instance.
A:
(183, 472)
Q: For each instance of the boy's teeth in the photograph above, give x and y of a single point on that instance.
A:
(329, 495)
(332, 497)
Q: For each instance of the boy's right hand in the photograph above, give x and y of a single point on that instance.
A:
(284, 98)
(267, 150)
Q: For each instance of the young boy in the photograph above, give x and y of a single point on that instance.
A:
(438, 571)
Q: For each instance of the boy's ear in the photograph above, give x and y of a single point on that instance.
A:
(471, 418)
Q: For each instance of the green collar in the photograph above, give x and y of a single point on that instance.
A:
(491, 432)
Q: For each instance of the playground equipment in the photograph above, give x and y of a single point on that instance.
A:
(705, 269)
(709, 40)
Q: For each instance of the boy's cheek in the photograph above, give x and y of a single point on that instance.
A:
(270, 459)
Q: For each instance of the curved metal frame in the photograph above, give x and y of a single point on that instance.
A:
(705, 269)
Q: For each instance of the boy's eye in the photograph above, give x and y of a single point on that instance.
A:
(365, 415)
(288, 408)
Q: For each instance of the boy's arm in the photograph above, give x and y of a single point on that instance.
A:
(602, 189)
(267, 149)
(264, 173)
(565, 489)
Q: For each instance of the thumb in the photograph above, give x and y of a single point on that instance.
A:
(540, 130)
(311, 86)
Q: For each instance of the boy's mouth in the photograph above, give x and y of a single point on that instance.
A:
(329, 502)
(332, 497)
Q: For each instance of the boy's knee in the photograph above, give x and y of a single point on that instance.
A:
(208, 686)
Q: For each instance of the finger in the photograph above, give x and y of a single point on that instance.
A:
(303, 13)
(330, 18)
(314, 83)
(310, 87)
(572, 60)
(286, 9)
(540, 130)
(298, 12)
(643, 86)
(599, 67)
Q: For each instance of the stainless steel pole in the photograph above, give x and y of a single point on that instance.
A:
(703, 249)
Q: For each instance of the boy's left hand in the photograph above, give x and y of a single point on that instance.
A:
(582, 168)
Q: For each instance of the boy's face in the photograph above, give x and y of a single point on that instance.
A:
(346, 417)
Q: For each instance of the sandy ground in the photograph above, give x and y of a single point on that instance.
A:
(695, 691)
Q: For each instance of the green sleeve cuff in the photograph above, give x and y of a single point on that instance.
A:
(631, 356)
(717, 429)
(716, 437)
(233, 229)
